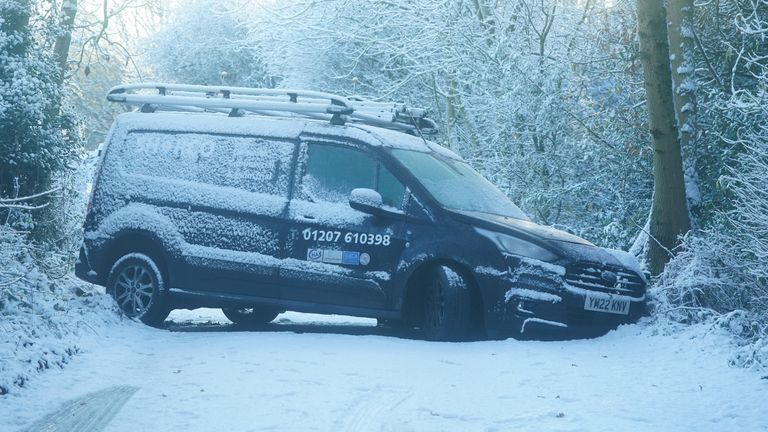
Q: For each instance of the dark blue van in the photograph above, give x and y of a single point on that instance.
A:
(322, 207)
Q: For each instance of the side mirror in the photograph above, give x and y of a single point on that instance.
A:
(366, 200)
(369, 201)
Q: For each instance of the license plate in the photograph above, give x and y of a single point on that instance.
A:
(607, 303)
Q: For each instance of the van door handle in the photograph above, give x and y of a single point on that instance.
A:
(308, 217)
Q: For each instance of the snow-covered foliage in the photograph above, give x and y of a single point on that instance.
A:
(37, 139)
(723, 272)
(41, 312)
(542, 99)
(43, 308)
(207, 44)
(730, 70)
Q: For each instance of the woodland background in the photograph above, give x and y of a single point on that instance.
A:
(547, 98)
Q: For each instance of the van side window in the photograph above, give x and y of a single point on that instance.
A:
(391, 190)
(332, 172)
(248, 163)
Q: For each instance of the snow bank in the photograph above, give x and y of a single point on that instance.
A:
(44, 310)
(41, 319)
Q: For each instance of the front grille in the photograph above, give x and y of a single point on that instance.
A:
(589, 276)
(536, 282)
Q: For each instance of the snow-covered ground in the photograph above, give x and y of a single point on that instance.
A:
(309, 372)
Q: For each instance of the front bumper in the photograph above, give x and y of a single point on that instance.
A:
(539, 297)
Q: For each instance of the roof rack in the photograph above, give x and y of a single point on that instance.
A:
(239, 101)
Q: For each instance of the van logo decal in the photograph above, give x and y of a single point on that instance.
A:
(332, 256)
(314, 255)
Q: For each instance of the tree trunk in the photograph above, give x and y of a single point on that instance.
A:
(680, 17)
(64, 40)
(681, 48)
(669, 212)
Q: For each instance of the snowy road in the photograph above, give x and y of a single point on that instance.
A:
(345, 376)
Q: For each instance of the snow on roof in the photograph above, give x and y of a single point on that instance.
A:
(280, 127)
(217, 123)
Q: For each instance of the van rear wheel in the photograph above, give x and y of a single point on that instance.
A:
(251, 316)
(136, 284)
(446, 313)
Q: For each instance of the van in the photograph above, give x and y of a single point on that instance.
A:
(263, 201)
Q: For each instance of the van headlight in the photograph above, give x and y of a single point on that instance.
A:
(517, 246)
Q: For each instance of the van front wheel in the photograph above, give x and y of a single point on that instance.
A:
(446, 313)
(137, 286)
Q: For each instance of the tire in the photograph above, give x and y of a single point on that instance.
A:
(446, 312)
(252, 316)
(136, 284)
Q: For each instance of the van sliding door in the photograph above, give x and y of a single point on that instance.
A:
(226, 197)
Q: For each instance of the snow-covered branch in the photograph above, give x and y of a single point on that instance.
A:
(29, 197)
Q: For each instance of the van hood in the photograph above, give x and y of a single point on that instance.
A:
(569, 246)
(526, 228)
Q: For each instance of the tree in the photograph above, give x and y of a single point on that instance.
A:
(539, 96)
(683, 63)
(64, 38)
(669, 212)
(36, 139)
(106, 40)
(732, 246)
(207, 44)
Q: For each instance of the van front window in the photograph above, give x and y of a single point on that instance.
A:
(455, 185)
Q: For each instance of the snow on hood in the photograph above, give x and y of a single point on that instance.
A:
(628, 260)
(518, 225)
(568, 245)
(588, 253)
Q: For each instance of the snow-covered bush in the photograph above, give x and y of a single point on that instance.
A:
(725, 268)
(43, 307)
(723, 272)
(207, 44)
(40, 315)
(37, 139)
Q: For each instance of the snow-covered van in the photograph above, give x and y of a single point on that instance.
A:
(262, 201)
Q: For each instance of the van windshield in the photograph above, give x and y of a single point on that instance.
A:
(455, 185)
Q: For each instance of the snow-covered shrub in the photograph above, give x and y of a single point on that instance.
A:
(37, 138)
(207, 44)
(723, 271)
(43, 307)
(40, 315)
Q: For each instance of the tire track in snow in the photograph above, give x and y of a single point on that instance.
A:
(368, 413)
(89, 413)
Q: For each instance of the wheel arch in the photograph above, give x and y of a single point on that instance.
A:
(134, 241)
(413, 293)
